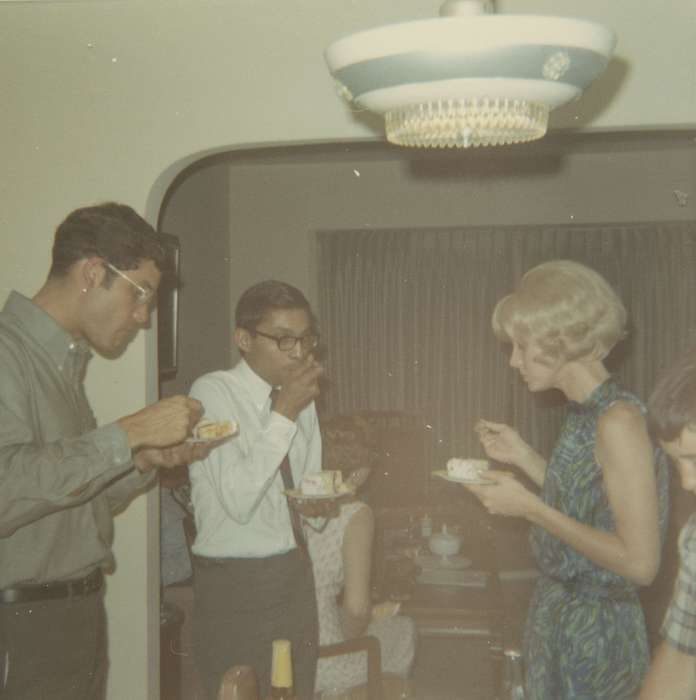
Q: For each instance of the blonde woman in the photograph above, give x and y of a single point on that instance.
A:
(597, 528)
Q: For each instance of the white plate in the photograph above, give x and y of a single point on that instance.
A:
(444, 474)
(297, 495)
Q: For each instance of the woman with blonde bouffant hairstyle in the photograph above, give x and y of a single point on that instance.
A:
(570, 310)
(598, 524)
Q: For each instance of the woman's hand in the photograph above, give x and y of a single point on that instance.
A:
(387, 608)
(506, 496)
(504, 444)
(501, 442)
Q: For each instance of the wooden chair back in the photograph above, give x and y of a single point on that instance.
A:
(379, 686)
(373, 689)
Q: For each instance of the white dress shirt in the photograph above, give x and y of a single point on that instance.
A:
(237, 491)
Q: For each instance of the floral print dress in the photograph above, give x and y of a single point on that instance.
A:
(585, 636)
(397, 635)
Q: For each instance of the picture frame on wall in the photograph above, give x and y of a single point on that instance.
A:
(168, 309)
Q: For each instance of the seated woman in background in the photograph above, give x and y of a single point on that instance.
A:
(598, 527)
(341, 553)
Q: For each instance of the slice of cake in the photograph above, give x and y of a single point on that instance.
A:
(323, 483)
(214, 430)
(467, 469)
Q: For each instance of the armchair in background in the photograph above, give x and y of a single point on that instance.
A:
(380, 685)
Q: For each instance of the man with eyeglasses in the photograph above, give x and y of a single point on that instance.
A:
(61, 476)
(252, 577)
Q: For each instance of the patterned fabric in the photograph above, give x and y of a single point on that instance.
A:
(397, 635)
(679, 627)
(585, 636)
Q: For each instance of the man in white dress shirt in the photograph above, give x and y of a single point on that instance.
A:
(252, 578)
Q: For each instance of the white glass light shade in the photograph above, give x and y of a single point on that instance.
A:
(469, 79)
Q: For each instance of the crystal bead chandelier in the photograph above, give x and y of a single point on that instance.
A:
(469, 77)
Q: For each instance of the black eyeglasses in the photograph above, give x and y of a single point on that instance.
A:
(286, 343)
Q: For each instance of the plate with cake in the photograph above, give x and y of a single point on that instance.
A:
(213, 431)
(465, 471)
(320, 486)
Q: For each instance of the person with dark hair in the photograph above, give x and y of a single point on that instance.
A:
(61, 476)
(252, 577)
(672, 421)
(341, 549)
(111, 231)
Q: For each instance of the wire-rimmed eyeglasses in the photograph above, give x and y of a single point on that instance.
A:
(286, 343)
(144, 295)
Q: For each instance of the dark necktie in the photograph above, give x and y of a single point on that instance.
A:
(289, 484)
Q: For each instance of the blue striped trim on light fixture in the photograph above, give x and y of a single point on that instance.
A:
(518, 63)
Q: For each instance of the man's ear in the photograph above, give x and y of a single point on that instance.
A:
(92, 272)
(242, 339)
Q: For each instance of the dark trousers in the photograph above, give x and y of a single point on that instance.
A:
(242, 605)
(54, 649)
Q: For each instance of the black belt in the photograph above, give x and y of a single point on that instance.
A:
(236, 561)
(33, 592)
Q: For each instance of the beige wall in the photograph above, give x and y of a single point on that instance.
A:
(112, 99)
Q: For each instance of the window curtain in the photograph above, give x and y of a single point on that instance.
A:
(405, 319)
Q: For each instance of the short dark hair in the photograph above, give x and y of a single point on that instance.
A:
(672, 404)
(111, 231)
(266, 296)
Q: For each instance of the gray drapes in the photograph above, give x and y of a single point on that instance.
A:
(405, 316)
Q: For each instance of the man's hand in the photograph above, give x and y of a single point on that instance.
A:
(299, 389)
(163, 424)
(184, 453)
(322, 508)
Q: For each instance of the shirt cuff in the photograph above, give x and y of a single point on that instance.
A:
(280, 431)
(112, 442)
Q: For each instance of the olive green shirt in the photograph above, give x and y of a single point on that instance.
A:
(61, 477)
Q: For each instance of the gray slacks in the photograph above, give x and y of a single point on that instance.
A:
(242, 605)
(54, 649)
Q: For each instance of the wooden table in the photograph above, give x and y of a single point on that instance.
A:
(473, 611)
(456, 611)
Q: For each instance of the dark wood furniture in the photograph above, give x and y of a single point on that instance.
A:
(472, 609)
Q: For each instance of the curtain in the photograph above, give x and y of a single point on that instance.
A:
(405, 317)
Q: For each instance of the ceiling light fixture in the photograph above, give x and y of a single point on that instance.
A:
(469, 77)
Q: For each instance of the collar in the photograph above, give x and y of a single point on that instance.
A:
(61, 347)
(598, 397)
(259, 389)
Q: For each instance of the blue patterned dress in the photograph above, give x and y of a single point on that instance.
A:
(585, 637)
